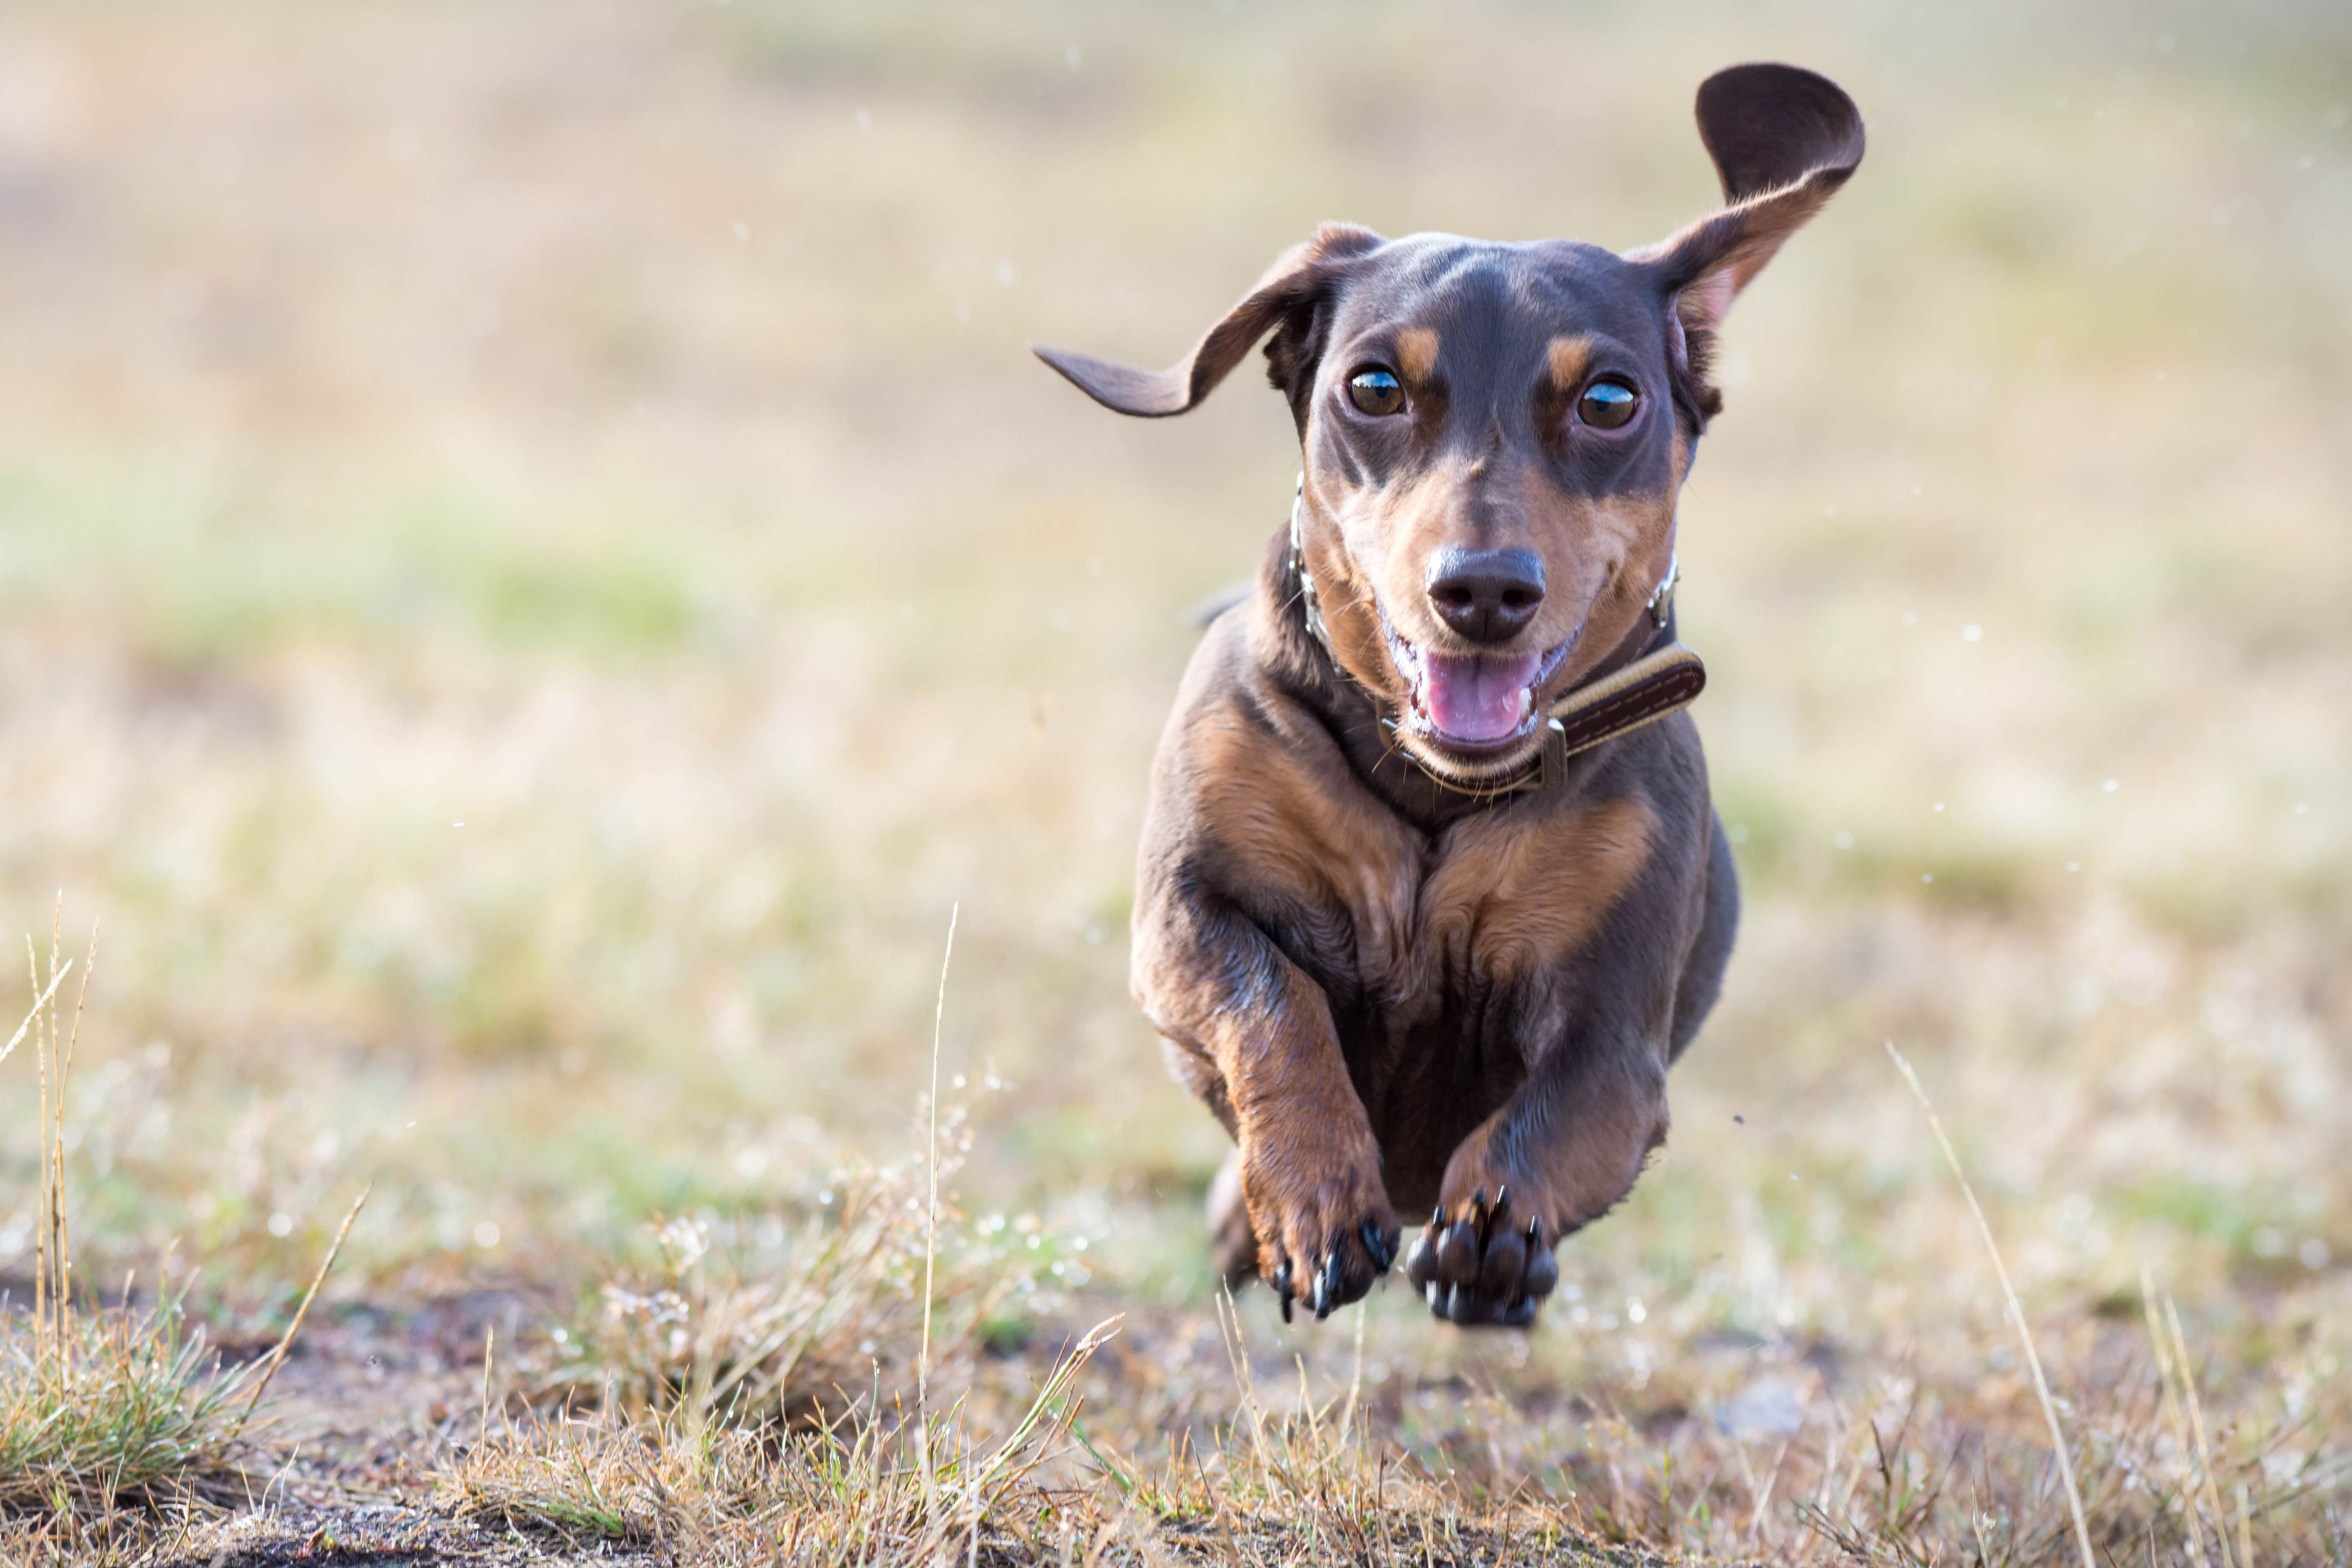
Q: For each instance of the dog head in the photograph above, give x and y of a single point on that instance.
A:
(1495, 434)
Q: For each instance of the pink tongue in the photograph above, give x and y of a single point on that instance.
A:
(1475, 697)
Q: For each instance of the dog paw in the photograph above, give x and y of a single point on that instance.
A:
(1484, 1267)
(1322, 1238)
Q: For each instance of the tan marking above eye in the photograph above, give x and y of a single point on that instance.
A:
(1417, 351)
(1569, 358)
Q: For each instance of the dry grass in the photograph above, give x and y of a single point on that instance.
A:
(793, 1318)
(1274, 1490)
(898, 1491)
(608, 426)
(1807, 1464)
(112, 1421)
(102, 1415)
(1911, 1473)
(806, 1332)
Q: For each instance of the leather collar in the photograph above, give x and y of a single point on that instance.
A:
(1648, 677)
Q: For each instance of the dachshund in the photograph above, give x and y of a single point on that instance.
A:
(1432, 890)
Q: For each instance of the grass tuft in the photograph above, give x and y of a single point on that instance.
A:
(104, 1413)
(844, 1312)
(128, 1410)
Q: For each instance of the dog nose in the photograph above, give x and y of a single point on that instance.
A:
(1485, 596)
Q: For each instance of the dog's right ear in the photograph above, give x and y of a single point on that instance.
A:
(1288, 298)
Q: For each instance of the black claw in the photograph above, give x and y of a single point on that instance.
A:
(1327, 1289)
(1377, 1244)
(1281, 1289)
(1437, 1217)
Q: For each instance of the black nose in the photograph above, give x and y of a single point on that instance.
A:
(1485, 596)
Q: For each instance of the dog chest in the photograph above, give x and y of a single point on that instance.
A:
(1494, 911)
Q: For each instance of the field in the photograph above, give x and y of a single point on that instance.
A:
(538, 573)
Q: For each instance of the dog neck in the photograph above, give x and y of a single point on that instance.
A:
(1647, 676)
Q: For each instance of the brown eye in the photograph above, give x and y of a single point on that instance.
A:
(1607, 404)
(1375, 391)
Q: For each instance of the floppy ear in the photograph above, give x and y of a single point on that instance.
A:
(1288, 297)
(1783, 141)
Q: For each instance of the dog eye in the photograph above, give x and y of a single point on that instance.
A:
(1606, 403)
(1375, 391)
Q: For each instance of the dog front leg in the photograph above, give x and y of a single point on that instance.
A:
(1558, 1154)
(1253, 1036)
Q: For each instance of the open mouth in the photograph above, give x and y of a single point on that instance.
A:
(1476, 703)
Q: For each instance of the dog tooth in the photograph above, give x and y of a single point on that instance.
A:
(1526, 701)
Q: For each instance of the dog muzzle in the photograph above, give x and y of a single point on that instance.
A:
(1662, 678)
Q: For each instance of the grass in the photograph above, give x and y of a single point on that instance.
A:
(719, 1415)
(101, 1414)
(112, 1420)
(903, 1492)
(2058, 1445)
(1896, 1477)
(1289, 1490)
(610, 429)
(126, 1414)
(791, 1318)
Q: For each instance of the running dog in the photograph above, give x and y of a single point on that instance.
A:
(1432, 891)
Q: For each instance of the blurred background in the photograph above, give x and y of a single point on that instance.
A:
(536, 569)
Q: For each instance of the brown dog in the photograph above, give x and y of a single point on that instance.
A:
(1428, 897)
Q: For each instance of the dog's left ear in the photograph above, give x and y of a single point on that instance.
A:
(1287, 302)
(1783, 141)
